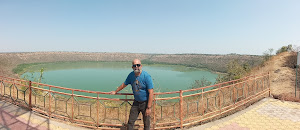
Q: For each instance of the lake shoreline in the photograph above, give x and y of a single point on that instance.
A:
(215, 63)
(94, 75)
(23, 68)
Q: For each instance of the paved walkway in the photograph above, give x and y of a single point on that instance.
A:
(15, 118)
(267, 114)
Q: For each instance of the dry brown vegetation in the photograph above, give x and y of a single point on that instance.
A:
(282, 70)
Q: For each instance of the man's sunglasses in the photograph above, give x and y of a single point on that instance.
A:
(136, 65)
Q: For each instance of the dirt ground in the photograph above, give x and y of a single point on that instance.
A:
(282, 76)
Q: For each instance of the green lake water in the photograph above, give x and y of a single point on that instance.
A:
(107, 76)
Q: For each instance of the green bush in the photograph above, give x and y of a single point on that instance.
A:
(284, 49)
(201, 83)
(235, 70)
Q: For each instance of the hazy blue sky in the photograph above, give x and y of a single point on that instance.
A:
(156, 26)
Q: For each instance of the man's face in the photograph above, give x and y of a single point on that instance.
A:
(136, 66)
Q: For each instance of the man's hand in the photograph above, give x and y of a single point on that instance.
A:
(118, 89)
(113, 92)
(148, 111)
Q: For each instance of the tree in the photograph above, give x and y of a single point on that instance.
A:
(235, 70)
(284, 49)
(268, 54)
(201, 83)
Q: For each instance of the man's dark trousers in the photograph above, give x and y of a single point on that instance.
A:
(135, 110)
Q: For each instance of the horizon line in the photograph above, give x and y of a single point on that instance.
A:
(132, 53)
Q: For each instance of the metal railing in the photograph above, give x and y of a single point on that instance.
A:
(186, 108)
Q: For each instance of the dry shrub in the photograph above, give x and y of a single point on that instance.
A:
(291, 60)
(286, 97)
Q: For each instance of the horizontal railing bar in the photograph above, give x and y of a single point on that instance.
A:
(163, 125)
(60, 92)
(89, 97)
(88, 126)
(59, 116)
(89, 122)
(160, 93)
(121, 93)
(167, 127)
(15, 83)
(106, 124)
(40, 111)
(32, 87)
(116, 99)
(21, 85)
(168, 98)
(221, 112)
(52, 86)
(76, 95)
(214, 89)
(78, 90)
(14, 79)
(230, 106)
(217, 85)
(242, 101)
(196, 94)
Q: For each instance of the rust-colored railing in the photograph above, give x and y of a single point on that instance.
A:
(186, 108)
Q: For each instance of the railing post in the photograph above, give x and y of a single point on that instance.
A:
(49, 102)
(11, 95)
(126, 110)
(1, 84)
(154, 104)
(246, 88)
(263, 83)
(269, 85)
(220, 109)
(255, 84)
(30, 92)
(181, 109)
(233, 95)
(97, 110)
(73, 105)
(202, 101)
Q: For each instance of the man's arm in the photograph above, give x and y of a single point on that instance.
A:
(150, 99)
(118, 89)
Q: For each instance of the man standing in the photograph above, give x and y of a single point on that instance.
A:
(142, 88)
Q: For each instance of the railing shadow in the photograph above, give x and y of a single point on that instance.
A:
(16, 118)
